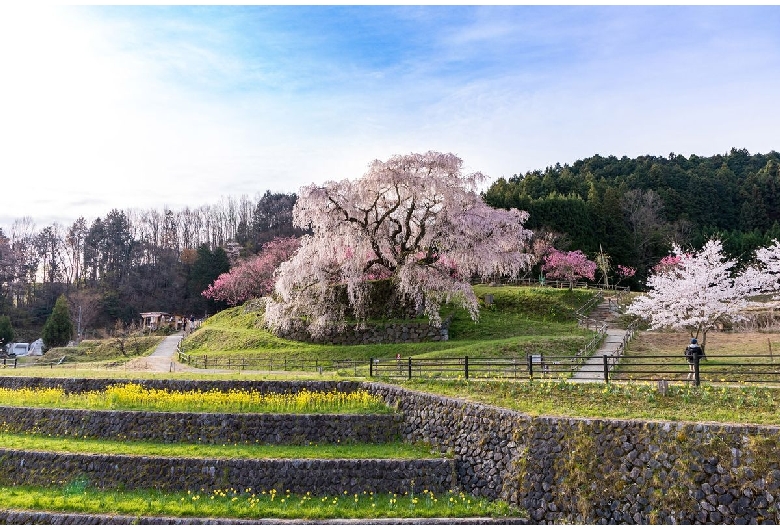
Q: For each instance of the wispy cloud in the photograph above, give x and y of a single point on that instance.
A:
(134, 106)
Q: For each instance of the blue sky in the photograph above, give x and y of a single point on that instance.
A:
(145, 107)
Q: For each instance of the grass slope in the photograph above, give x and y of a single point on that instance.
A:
(64, 444)
(521, 320)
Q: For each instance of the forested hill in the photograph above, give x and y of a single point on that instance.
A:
(635, 207)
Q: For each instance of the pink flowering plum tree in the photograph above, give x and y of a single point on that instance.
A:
(624, 272)
(668, 263)
(254, 277)
(415, 220)
(693, 291)
(568, 266)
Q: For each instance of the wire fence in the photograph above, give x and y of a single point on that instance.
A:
(62, 364)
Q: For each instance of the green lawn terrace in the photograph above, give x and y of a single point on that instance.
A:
(520, 321)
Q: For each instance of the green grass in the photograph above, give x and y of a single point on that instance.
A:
(78, 497)
(64, 444)
(731, 404)
(521, 320)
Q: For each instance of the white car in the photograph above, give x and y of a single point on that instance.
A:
(19, 349)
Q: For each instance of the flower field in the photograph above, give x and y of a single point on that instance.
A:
(79, 498)
(132, 396)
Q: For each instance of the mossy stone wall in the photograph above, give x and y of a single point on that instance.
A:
(600, 470)
(324, 476)
(213, 428)
(391, 333)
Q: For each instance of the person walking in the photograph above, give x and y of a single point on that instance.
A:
(693, 354)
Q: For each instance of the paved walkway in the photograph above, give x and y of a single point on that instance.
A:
(593, 369)
(162, 359)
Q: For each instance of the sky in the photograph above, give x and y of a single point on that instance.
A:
(106, 107)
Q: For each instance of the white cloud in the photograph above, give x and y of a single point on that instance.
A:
(107, 112)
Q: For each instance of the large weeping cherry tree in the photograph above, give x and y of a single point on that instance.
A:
(416, 221)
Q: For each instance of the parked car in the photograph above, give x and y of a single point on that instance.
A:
(17, 349)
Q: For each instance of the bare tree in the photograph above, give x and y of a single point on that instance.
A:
(85, 307)
(642, 211)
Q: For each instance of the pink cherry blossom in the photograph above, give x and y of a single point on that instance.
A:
(568, 266)
(415, 219)
(253, 278)
(625, 271)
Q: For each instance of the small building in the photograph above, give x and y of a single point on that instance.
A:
(154, 320)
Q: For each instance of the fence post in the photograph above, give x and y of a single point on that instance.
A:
(15, 359)
(410, 368)
(696, 379)
(606, 369)
(466, 366)
(530, 362)
(371, 367)
(205, 361)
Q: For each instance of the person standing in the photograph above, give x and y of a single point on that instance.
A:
(693, 354)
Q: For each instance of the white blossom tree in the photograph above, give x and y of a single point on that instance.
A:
(766, 272)
(694, 292)
(415, 220)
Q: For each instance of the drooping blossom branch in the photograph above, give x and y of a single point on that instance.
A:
(415, 219)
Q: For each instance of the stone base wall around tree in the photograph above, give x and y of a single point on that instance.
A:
(394, 333)
(601, 471)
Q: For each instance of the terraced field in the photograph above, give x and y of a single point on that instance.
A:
(100, 464)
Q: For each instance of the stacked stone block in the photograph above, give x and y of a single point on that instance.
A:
(599, 470)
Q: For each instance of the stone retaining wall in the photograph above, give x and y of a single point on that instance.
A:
(332, 477)
(173, 427)
(601, 471)
(393, 333)
(559, 469)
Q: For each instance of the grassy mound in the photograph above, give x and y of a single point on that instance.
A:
(520, 320)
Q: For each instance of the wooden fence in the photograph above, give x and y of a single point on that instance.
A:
(271, 364)
(648, 368)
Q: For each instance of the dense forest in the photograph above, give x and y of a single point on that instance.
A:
(129, 261)
(633, 208)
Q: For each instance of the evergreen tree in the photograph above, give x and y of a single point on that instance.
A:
(6, 331)
(207, 267)
(58, 329)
